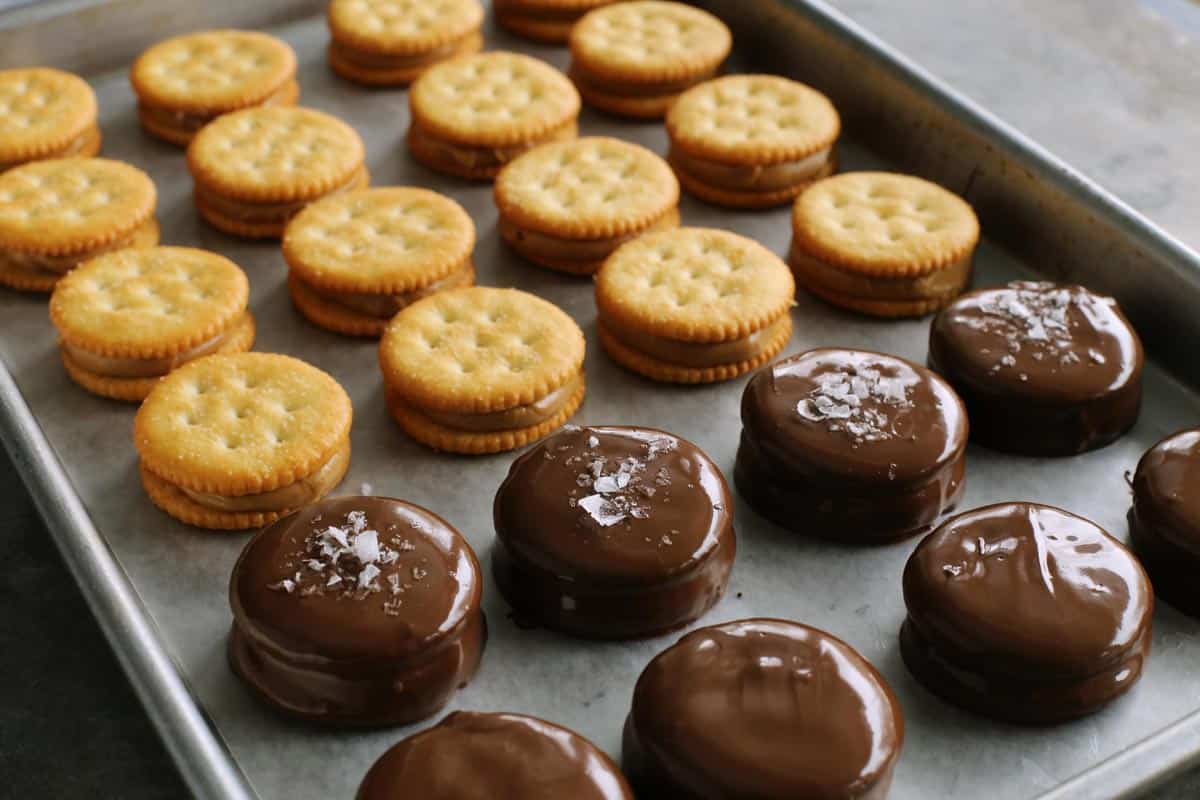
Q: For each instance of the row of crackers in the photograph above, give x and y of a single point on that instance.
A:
(466, 369)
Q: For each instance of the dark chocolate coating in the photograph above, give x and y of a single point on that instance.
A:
(879, 465)
(474, 756)
(589, 547)
(389, 652)
(1164, 521)
(1025, 613)
(762, 709)
(1044, 369)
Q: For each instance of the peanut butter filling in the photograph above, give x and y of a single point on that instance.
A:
(526, 416)
(194, 121)
(555, 248)
(444, 151)
(698, 354)
(386, 306)
(304, 491)
(742, 178)
(404, 61)
(580, 75)
(111, 367)
(266, 213)
(950, 279)
(40, 264)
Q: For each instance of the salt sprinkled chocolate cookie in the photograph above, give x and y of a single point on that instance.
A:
(1045, 369)
(238, 441)
(850, 445)
(482, 370)
(185, 82)
(613, 533)
(256, 169)
(693, 305)
(1025, 613)
(356, 259)
(765, 709)
(568, 205)
(634, 59)
(883, 244)
(544, 20)
(751, 141)
(126, 319)
(47, 113)
(357, 611)
(58, 213)
(471, 755)
(1164, 521)
(391, 42)
(474, 114)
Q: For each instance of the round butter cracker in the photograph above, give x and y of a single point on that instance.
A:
(241, 424)
(47, 113)
(479, 350)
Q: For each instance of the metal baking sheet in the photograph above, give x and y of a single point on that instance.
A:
(159, 588)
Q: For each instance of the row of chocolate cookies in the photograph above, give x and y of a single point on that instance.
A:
(581, 548)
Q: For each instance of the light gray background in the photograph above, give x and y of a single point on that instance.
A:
(1067, 73)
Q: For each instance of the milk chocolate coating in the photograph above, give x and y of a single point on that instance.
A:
(1025, 613)
(613, 532)
(1044, 370)
(1164, 521)
(762, 709)
(369, 648)
(851, 445)
(473, 756)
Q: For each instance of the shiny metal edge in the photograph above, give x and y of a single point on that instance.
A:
(205, 762)
(87, 36)
(1050, 216)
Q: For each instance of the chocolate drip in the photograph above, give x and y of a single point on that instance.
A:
(1043, 369)
(613, 532)
(851, 445)
(474, 756)
(762, 709)
(357, 611)
(1026, 613)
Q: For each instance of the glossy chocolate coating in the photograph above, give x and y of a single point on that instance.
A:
(473, 756)
(762, 709)
(851, 445)
(613, 532)
(371, 648)
(1026, 613)
(1164, 522)
(1044, 369)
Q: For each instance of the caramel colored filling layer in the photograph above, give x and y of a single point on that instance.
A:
(40, 264)
(386, 306)
(698, 354)
(607, 86)
(304, 491)
(950, 279)
(535, 413)
(192, 122)
(556, 248)
(742, 178)
(404, 61)
(444, 151)
(145, 367)
(266, 213)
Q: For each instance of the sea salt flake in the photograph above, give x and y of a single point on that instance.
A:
(593, 442)
(357, 521)
(1096, 356)
(601, 510)
(606, 484)
(334, 580)
(419, 574)
(366, 547)
(367, 575)
(286, 585)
